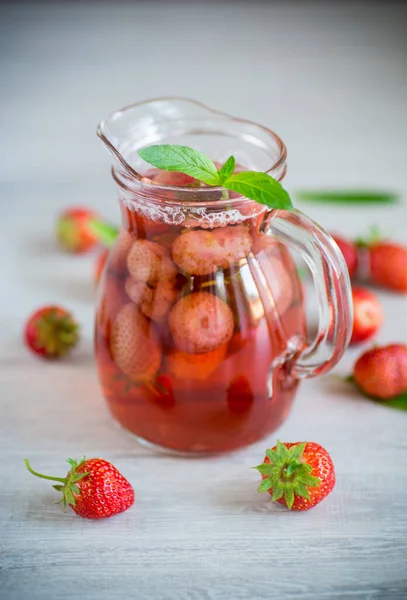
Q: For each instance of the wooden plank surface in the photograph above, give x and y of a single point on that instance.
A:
(331, 79)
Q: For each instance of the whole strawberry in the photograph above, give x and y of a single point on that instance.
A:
(73, 231)
(350, 253)
(51, 332)
(93, 488)
(297, 475)
(382, 372)
(368, 315)
(388, 266)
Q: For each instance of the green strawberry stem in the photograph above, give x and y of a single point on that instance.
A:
(105, 233)
(375, 236)
(27, 464)
(69, 488)
(286, 475)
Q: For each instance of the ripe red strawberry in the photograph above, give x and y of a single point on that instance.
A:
(388, 266)
(368, 315)
(51, 331)
(73, 231)
(297, 475)
(382, 372)
(350, 253)
(100, 262)
(93, 488)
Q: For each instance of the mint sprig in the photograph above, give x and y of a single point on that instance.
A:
(260, 187)
(182, 159)
(254, 185)
(227, 170)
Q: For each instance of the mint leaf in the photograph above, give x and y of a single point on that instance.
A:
(227, 170)
(105, 233)
(259, 187)
(182, 159)
(348, 196)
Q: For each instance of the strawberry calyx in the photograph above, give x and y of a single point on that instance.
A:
(374, 237)
(66, 485)
(55, 332)
(286, 474)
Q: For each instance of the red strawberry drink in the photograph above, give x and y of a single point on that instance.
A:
(200, 327)
(190, 320)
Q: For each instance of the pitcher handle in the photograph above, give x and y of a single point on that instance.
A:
(333, 290)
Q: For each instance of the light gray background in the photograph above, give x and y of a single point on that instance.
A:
(331, 79)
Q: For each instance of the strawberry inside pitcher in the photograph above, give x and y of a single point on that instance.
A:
(189, 322)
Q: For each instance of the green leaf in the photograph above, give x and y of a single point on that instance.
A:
(289, 497)
(348, 196)
(297, 451)
(70, 498)
(292, 467)
(265, 485)
(227, 170)
(282, 451)
(302, 491)
(75, 489)
(265, 469)
(398, 402)
(278, 491)
(260, 187)
(271, 455)
(309, 480)
(182, 159)
(59, 488)
(77, 477)
(106, 233)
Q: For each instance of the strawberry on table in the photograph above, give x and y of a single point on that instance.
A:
(73, 231)
(382, 371)
(93, 488)
(368, 315)
(388, 266)
(297, 475)
(51, 332)
(350, 253)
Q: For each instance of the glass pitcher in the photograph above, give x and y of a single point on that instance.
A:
(200, 326)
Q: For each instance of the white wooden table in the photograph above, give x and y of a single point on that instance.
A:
(332, 80)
